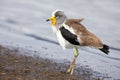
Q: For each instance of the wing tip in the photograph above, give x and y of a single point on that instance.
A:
(105, 49)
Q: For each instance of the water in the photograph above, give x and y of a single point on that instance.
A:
(22, 24)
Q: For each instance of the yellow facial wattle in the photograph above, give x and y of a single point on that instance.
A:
(53, 21)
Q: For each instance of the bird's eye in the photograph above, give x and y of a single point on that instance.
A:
(57, 17)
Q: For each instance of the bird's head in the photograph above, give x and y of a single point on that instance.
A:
(57, 18)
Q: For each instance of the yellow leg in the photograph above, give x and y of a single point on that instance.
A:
(71, 68)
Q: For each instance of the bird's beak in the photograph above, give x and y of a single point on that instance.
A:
(53, 19)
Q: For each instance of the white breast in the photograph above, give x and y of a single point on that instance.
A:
(64, 43)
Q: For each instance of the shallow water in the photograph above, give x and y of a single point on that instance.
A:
(22, 24)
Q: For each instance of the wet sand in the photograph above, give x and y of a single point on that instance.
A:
(14, 66)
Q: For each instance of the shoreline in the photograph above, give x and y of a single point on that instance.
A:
(21, 67)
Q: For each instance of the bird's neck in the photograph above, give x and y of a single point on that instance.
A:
(54, 28)
(59, 24)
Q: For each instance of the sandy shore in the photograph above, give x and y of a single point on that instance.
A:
(14, 66)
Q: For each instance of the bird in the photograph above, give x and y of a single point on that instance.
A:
(71, 34)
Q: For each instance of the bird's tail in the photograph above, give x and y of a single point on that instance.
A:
(105, 49)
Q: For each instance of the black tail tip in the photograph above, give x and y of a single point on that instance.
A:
(105, 49)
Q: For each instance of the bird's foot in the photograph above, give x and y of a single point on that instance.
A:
(71, 68)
